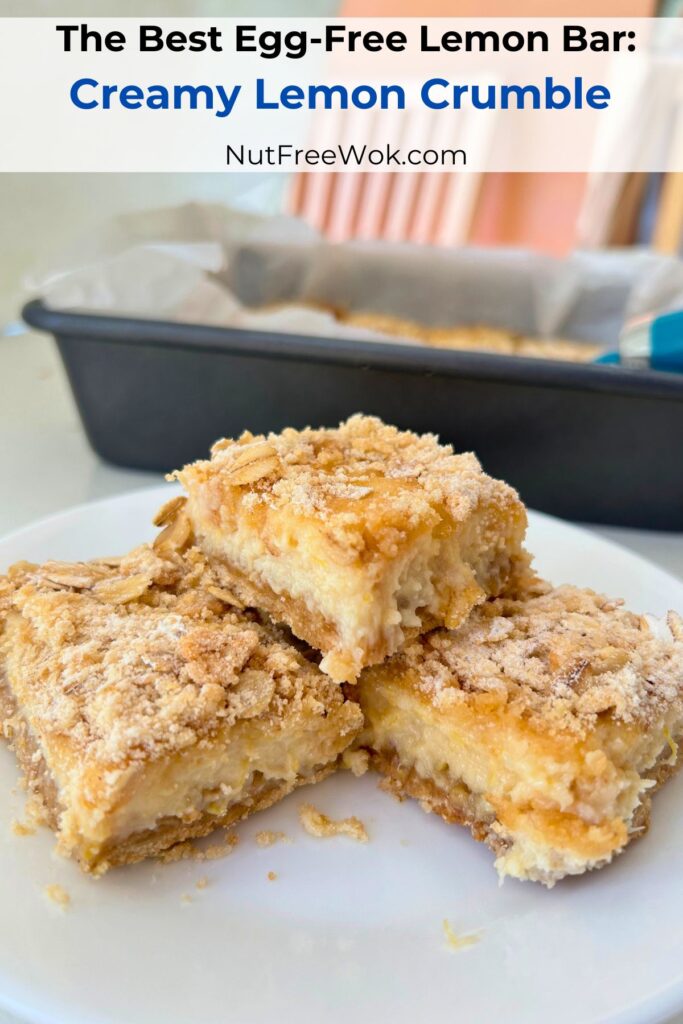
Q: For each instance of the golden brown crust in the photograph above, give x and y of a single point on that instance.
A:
(457, 805)
(320, 632)
(171, 831)
(39, 782)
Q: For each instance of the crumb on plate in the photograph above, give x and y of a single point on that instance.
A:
(35, 815)
(22, 828)
(319, 825)
(272, 876)
(457, 942)
(58, 895)
(269, 838)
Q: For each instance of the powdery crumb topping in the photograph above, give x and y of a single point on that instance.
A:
(58, 895)
(269, 838)
(319, 825)
(137, 658)
(366, 483)
(561, 658)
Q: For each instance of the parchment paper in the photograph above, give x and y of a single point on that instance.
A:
(209, 264)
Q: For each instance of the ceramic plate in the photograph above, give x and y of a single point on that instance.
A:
(346, 931)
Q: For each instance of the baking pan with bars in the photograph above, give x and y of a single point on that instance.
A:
(582, 441)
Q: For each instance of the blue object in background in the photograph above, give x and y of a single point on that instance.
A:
(609, 358)
(655, 344)
(666, 342)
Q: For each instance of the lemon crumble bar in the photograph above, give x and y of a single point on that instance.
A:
(544, 724)
(473, 337)
(146, 710)
(356, 537)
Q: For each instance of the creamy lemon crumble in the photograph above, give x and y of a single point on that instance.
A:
(156, 697)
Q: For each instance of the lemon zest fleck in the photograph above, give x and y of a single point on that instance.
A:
(672, 745)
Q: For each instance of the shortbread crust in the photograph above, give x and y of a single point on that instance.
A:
(145, 710)
(357, 537)
(544, 723)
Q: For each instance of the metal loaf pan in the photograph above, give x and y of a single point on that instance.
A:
(593, 443)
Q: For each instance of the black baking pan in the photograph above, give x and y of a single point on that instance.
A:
(594, 443)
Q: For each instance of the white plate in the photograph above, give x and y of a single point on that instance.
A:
(346, 930)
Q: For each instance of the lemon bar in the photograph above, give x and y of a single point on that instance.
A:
(146, 709)
(473, 337)
(356, 537)
(544, 724)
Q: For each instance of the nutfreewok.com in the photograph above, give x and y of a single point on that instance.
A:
(340, 156)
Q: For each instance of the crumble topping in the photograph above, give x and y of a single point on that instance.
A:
(367, 484)
(320, 826)
(560, 657)
(138, 657)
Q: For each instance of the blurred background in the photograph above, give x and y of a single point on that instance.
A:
(628, 430)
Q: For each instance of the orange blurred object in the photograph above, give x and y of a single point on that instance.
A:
(538, 211)
(498, 9)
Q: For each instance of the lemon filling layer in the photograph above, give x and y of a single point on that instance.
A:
(557, 805)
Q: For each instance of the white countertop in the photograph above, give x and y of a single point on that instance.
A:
(46, 463)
